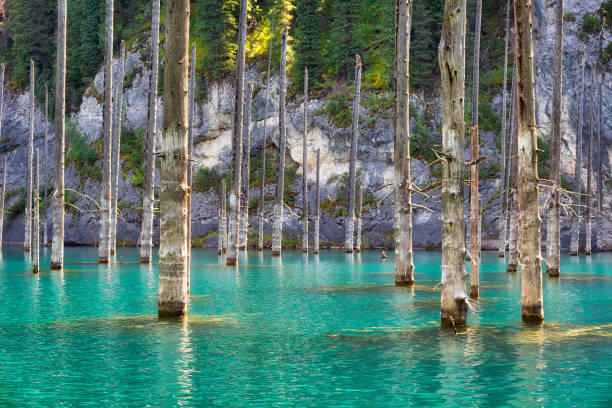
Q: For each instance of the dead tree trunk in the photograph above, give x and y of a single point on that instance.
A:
(359, 220)
(528, 196)
(234, 220)
(116, 154)
(350, 224)
(452, 67)
(305, 168)
(317, 201)
(600, 149)
(223, 226)
(404, 265)
(173, 248)
(513, 238)
(264, 142)
(2, 69)
(191, 110)
(27, 241)
(246, 169)
(553, 236)
(277, 230)
(2, 195)
(36, 220)
(575, 241)
(146, 231)
(57, 245)
(588, 246)
(46, 180)
(503, 219)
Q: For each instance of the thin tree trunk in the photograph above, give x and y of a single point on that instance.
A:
(45, 236)
(600, 150)
(262, 193)
(553, 236)
(57, 245)
(27, 241)
(146, 231)
(513, 238)
(503, 219)
(317, 220)
(277, 230)
(589, 192)
(116, 154)
(223, 225)
(2, 195)
(404, 265)
(173, 248)
(575, 243)
(305, 168)
(191, 110)
(36, 220)
(359, 220)
(234, 220)
(2, 70)
(350, 224)
(246, 169)
(452, 67)
(528, 196)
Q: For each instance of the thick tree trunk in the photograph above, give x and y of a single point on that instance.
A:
(277, 229)
(234, 199)
(173, 248)
(46, 180)
(404, 266)
(359, 220)
(264, 142)
(452, 68)
(2, 195)
(146, 231)
(191, 110)
(57, 245)
(577, 221)
(350, 222)
(513, 238)
(27, 241)
(305, 168)
(246, 169)
(318, 201)
(116, 154)
(553, 236)
(528, 196)
(503, 218)
(589, 192)
(36, 220)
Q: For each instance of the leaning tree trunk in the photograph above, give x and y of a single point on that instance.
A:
(305, 168)
(262, 193)
(277, 230)
(234, 199)
(553, 236)
(350, 224)
(27, 241)
(246, 169)
(513, 238)
(503, 218)
(191, 110)
(575, 241)
(2, 194)
(45, 237)
(452, 67)
(173, 248)
(57, 245)
(116, 154)
(528, 196)
(359, 220)
(104, 245)
(404, 265)
(317, 200)
(146, 230)
(589, 192)
(475, 153)
(36, 220)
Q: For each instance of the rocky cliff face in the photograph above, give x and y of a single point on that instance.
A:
(212, 149)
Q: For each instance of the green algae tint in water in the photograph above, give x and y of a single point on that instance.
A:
(327, 330)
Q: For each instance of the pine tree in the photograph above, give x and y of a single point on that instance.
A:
(309, 37)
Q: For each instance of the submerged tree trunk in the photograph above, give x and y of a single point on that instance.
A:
(57, 246)
(359, 220)
(404, 266)
(246, 169)
(277, 229)
(234, 199)
(27, 241)
(452, 68)
(2, 195)
(264, 142)
(577, 219)
(503, 218)
(46, 177)
(350, 224)
(553, 236)
(173, 248)
(589, 191)
(305, 168)
(116, 154)
(36, 220)
(528, 196)
(317, 201)
(146, 231)
(513, 238)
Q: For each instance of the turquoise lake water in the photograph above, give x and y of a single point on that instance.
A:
(328, 330)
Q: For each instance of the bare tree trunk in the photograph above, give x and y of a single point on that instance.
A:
(359, 220)
(2, 70)
(57, 246)
(262, 194)
(600, 150)
(27, 241)
(116, 153)
(2, 195)
(589, 192)
(575, 243)
(350, 224)
(553, 236)
(46, 180)
(36, 220)
(318, 201)
(246, 169)
(190, 113)
(277, 228)
(221, 226)
(404, 265)
(513, 238)
(305, 168)
(452, 67)
(234, 220)
(173, 248)
(146, 231)
(528, 196)
(503, 218)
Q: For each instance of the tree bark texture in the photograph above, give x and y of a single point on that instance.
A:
(588, 245)
(264, 142)
(305, 168)
(246, 169)
(317, 219)
(191, 110)
(359, 220)
(27, 241)
(116, 154)
(36, 219)
(350, 222)
(513, 238)
(223, 226)
(577, 218)
(46, 176)
(503, 219)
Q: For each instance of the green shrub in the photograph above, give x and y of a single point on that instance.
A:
(254, 204)
(338, 110)
(489, 169)
(342, 190)
(590, 24)
(81, 153)
(133, 153)
(207, 178)
(569, 17)
(18, 207)
(422, 140)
